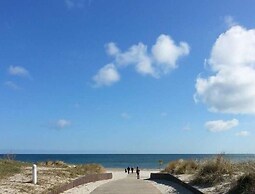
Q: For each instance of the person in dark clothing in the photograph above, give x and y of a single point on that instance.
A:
(125, 170)
(132, 169)
(128, 169)
(138, 172)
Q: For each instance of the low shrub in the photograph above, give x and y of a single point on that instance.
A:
(244, 185)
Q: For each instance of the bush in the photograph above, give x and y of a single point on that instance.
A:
(213, 171)
(181, 167)
(244, 185)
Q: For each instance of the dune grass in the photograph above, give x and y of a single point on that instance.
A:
(72, 170)
(213, 171)
(244, 185)
(51, 174)
(181, 167)
(10, 167)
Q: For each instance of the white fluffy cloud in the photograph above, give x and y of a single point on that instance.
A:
(106, 76)
(136, 55)
(166, 53)
(220, 125)
(160, 60)
(62, 123)
(242, 133)
(112, 49)
(18, 71)
(232, 87)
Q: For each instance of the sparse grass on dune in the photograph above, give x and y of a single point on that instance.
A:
(51, 175)
(181, 167)
(49, 163)
(84, 169)
(72, 170)
(218, 170)
(10, 167)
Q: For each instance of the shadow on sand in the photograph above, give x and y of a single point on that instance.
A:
(178, 188)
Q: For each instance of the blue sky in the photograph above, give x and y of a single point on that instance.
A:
(95, 76)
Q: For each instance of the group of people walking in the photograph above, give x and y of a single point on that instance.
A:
(128, 169)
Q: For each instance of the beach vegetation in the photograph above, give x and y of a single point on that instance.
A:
(213, 171)
(181, 167)
(9, 167)
(84, 169)
(244, 185)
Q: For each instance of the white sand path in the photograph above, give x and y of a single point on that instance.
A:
(165, 187)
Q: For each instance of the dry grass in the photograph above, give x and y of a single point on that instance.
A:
(10, 167)
(244, 185)
(16, 176)
(84, 169)
(213, 171)
(231, 178)
(181, 167)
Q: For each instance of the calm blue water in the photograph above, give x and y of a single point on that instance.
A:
(124, 160)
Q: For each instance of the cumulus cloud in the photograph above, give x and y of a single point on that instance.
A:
(161, 59)
(18, 71)
(242, 133)
(231, 88)
(166, 52)
(136, 55)
(220, 125)
(106, 76)
(12, 85)
(62, 123)
(112, 49)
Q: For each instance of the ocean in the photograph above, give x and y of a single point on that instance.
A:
(145, 161)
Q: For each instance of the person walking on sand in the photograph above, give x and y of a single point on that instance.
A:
(128, 169)
(132, 170)
(138, 172)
